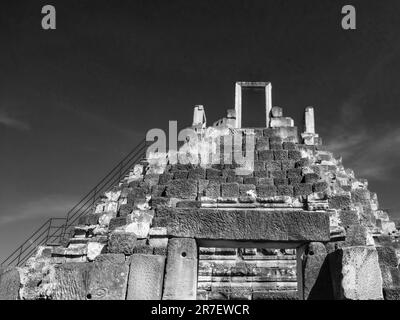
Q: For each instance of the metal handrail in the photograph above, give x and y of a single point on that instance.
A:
(50, 230)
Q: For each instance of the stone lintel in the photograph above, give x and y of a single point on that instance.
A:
(250, 224)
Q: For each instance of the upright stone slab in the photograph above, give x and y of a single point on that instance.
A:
(9, 284)
(355, 273)
(317, 279)
(146, 277)
(71, 281)
(181, 270)
(108, 278)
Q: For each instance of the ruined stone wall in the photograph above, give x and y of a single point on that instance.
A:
(142, 239)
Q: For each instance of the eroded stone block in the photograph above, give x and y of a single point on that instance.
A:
(9, 284)
(355, 273)
(181, 270)
(146, 277)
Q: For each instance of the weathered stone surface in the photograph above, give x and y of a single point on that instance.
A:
(122, 242)
(389, 264)
(266, 191)
(71, 281)
(317, 280)
(184, 189)
(9, 284)
(355, 273)
(108, 278)
(340, 202)
(391, 293)
(181, 270)
(246, 224)
(276, 295)
(230, 190)
(146, 277)
(302, 189)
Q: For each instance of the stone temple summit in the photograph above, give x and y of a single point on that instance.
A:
(291, 223)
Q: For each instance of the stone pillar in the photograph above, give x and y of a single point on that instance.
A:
(317, 280)
(9, 284)
(309, 122)
(199, 116)
(268, 103)
(355, 273)
(146, 277)
(238, 105)
(181, 270)
(299, 271)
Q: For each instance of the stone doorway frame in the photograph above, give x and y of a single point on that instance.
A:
(298, 246)
(238, 100)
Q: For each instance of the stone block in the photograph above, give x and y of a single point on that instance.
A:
(302, 189)
(212, 174)
(146, 276)
(358, 235)
(280, 181)
(265, 155)
(181, 174)
(215, 224)
(181, 270)
(348, 218)
(246, 188)
(295, 180)
(236, 179)
(9, 284)
(275, 146)
(320, 186)
(158, 190)
(391, 293)
(213, 190)
(340, 201)
(184, 189)
(230, 190)
(122, 242)
(259, 165)
(355, 273)
(197, 173)
(280, 155)
(287, 164)
(261, 174)
(266, 181)
(117, 222)
(265, 191)
(294, 173)
(284, 190)
(108, 278)
(317, 282)
(202, 185)
(250, 180)
(294, 155)
(277, 112)
(278, 174)
(281, 122)
(310, 178)
(389, 265)
(89, 219)
(262, 144)
(273, 165)
(289, 146)
(165, 178)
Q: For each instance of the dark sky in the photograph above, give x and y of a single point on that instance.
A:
(74, 100)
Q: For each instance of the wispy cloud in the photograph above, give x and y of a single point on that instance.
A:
(13, 122)
(371, 149)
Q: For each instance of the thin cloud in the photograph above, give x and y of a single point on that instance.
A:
(12, 122)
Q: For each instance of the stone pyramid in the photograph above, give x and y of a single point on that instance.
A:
(290, 223)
